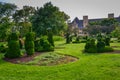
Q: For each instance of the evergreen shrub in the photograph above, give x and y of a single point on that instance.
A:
(13, 46)
(50, 37)
(44, 45)
(68, 38)
(29, 43)
(90, 46)
(107, 41)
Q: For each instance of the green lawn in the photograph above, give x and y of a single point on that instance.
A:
(88, 67)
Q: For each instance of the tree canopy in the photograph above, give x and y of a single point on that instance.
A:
(6, 11)
(103, 26)
(49, 16)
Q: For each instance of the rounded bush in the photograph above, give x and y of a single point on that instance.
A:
(90, 46)
(13, 49)
(44, 45)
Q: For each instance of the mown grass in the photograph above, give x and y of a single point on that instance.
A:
(88, 67)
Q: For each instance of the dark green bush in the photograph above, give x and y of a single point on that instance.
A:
(3, 48)
(13, 36)
(13, 49)
(50, 37)
(107, 41)
(47, 46)
(13, 46)
(68, 38)
(100, 46)
(29, 43)
(90, 46)
(30, 36)
(43, 45)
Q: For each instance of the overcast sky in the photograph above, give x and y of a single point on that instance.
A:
(77, 8)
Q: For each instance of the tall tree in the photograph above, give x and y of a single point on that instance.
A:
(6, 11)
(21, 18)
(49, 16)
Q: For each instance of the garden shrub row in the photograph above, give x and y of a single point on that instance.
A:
(103, 45)
(45, 43)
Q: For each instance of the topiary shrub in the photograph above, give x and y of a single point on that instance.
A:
(47, 46)
(68, 38)
(90, 46)
(44, 45)
(50, 37)
(29, 43)
(13, 46)
(100, 45)
(107, 41)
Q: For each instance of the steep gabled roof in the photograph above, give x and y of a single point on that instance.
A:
(79, 22)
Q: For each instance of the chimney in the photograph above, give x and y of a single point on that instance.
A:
(85, 21)
(111, 15)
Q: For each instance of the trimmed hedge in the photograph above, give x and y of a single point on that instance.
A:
(43, 44)
(13, 46)
(107, 41)
(100, 46)
(29, 43)
(50, 37)
(90, 46)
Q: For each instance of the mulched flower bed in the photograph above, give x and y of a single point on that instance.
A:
(25, 59)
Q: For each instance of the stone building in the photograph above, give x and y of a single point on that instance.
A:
(81, 24)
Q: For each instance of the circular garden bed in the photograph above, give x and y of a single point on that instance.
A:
(43, 59)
